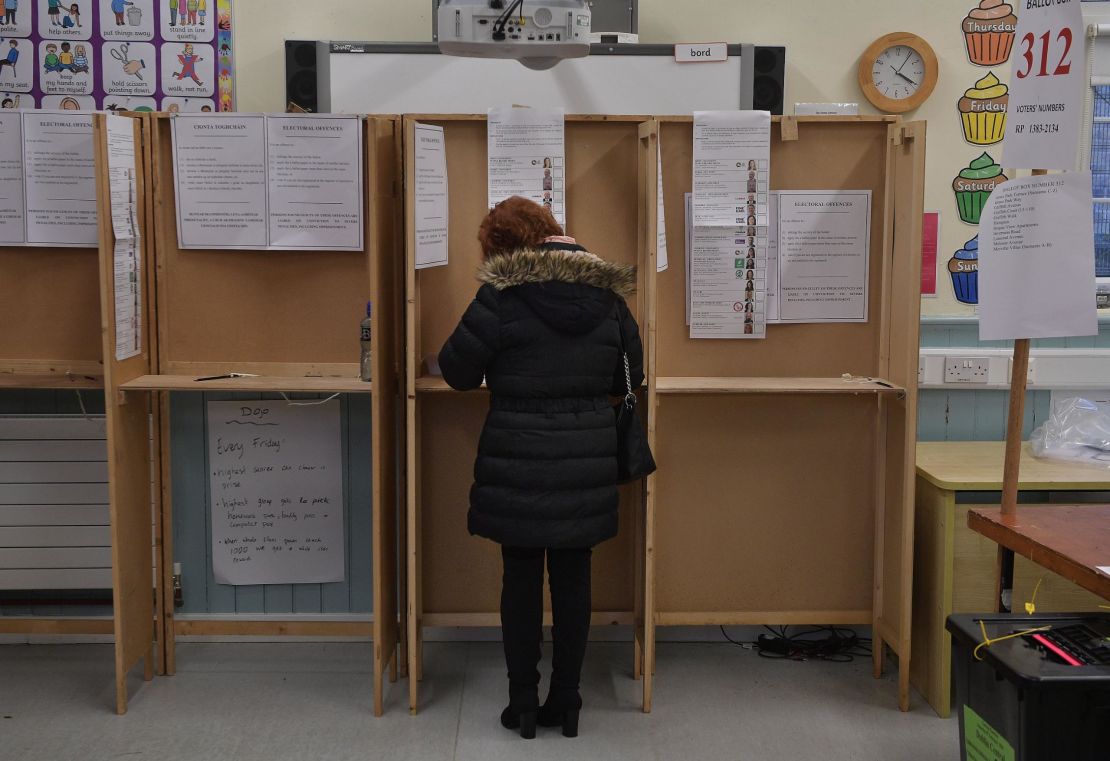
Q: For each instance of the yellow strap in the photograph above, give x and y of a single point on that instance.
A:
(987, 641)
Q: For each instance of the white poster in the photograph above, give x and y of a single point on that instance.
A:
(728, 284)
(1048, 69)
(527, 157)
(127, 258)
(662, 261)
(220, 177)
(60, 179)
(732, 163)
(431, 197)
(1037, 259)
(12, 220)
(276, 490)
(283, 182)
(823, 255)
(128, 68)
(315, 182)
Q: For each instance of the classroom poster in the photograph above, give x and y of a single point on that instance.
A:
(115, 55)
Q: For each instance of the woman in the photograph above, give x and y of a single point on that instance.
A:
(545, 332)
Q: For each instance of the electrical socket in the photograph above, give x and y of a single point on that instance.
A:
(967, 369)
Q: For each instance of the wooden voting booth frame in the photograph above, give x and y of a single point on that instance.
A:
(51, 340)
(784, 493)
(134, 504)
(286, 318)
(454, 579)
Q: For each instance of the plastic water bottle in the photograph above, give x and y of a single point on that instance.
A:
(364, 362)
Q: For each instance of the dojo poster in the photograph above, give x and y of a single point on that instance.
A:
(115, 55)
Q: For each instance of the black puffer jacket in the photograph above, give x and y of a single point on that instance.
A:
(544, 332)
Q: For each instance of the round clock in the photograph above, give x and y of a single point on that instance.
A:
(898, 72)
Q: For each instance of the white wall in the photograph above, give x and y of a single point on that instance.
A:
(824, 39)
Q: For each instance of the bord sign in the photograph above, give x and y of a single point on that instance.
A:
(705, 52)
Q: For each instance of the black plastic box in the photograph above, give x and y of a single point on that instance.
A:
(1022, 696)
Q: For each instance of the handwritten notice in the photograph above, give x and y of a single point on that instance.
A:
(276, 490)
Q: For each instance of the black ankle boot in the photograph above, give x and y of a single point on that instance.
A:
(522, 712)
(561, 708)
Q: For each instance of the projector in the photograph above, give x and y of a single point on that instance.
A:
(539, 34)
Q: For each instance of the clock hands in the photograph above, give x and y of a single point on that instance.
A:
(898, 73)
(909, 55)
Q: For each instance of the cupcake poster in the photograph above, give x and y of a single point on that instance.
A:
(989, 33)
(974, 185)
(983, 110)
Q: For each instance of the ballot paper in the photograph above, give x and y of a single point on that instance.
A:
(732, 161)
(728, 284)
(126, 251)
(60, 179)
(662, 262)
(12, 218)
(821, 256)
(431, 197)
(527, 157)
(1036, 259)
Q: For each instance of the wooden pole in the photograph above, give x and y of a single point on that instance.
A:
(1011, 473)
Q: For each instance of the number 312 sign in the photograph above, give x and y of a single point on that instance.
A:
(1046, 90)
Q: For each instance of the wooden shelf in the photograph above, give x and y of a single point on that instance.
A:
(253, 383)
(13, 380)
(434, 384)
(746, 385)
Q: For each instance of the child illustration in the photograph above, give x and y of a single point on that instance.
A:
(54, 11)
(10, 7)
(13, 56)
(191, 7)
(65, 58)
(51, 62)
(189, 63)
(173, 12)
(182, 11)
(118, 8)
(80, 60)
(202, 10)
(70, 104)
(10, 103)
(206, 108)
(73, 17)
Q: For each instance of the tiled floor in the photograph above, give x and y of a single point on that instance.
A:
(271, 702)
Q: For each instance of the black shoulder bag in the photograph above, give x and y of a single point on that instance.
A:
(634, 458)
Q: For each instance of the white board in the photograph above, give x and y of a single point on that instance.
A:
(378, 78)
(276, 492)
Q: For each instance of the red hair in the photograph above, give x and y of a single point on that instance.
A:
(516, 223)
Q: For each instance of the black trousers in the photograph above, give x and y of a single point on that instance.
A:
(522, 617)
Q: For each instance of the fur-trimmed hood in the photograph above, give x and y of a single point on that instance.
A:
(555, 265)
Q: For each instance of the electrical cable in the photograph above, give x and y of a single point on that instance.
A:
(503, 19)
(827, 643)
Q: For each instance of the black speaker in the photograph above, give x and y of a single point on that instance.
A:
(301, 76)
(769, 85)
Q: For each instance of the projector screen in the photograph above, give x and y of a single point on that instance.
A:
(382, 78)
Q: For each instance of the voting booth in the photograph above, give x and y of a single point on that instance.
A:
(454, 579)
(784, 493)
(249, 320)
(51, 341)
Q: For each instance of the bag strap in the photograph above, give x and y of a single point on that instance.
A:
(629, 396)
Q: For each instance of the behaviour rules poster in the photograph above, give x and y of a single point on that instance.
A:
(139, 55)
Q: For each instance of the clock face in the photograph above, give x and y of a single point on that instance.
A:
(898, 72)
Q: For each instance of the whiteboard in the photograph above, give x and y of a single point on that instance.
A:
(404, 78)
(276, 492)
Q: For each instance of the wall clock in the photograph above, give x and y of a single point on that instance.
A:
(898, 72)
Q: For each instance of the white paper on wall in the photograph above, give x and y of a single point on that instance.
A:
(527, 157)
(431, 197)
(276, 491)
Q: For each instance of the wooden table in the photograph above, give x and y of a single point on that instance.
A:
(1070, 540)
(954, 567)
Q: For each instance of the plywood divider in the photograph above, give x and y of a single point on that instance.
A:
(128, 438)
(450, 573)
(782, 495)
